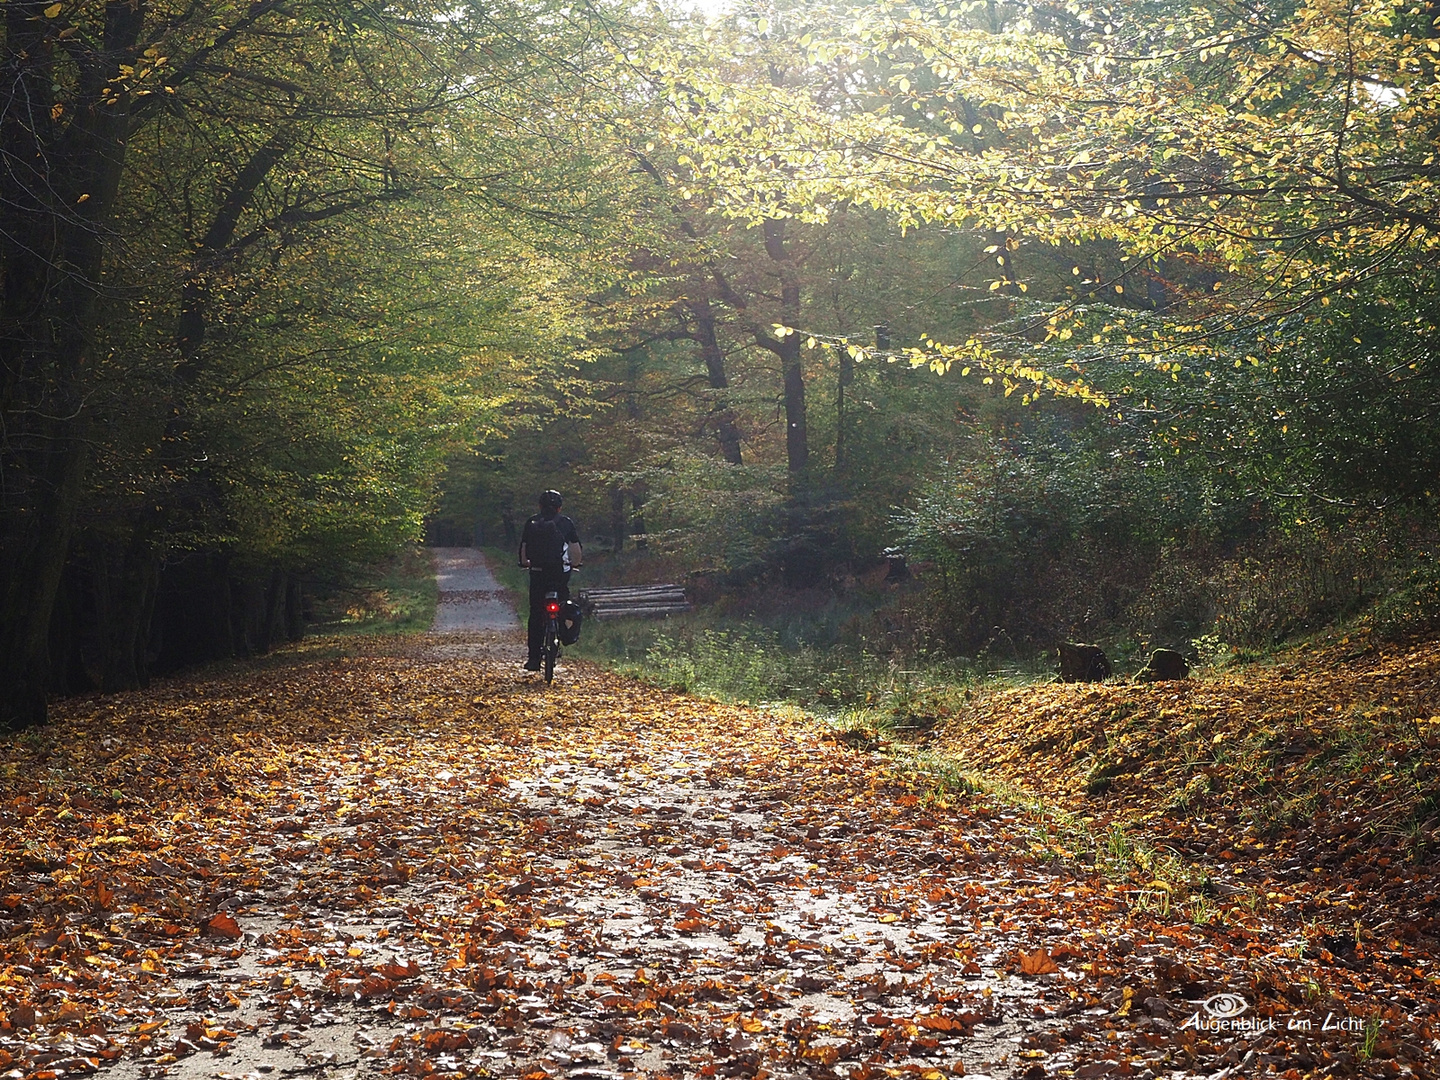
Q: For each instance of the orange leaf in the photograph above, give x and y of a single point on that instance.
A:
(940, 1023)
(224, 925)
(1038, 963)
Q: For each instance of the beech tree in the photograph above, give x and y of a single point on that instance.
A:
(1257, 161)
(184, 191)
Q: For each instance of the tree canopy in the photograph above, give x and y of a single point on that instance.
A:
(774, 289)
(1235, 164)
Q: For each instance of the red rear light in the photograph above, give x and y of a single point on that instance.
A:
(553, 609)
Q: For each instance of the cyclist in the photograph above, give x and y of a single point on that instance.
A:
(548, 545)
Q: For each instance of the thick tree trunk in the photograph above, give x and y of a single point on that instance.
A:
(67, 667)
(637, 503)
(41, 496)
(57, 189)
(797, 441)
(272, 620)
(714, 358)
(123, 579)
(617, 518)
(294, 611)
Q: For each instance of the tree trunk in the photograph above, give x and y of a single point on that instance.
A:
(637, 503)
(294, 611)
(617, 518)
(725, 430)
(222, 613)
(271, 619)
(67, 666)
(123, 580)
(797, 443)
(61, 176)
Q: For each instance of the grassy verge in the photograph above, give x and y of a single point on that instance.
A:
(742, 662)
(827, 651)
(512, 578)
(397, 596)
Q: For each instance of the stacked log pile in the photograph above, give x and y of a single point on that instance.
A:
(633, 600)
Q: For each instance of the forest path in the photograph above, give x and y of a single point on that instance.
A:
(416, 860)
(470, 597)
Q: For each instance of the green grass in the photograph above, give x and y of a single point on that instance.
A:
(752, 663)
(397, 596)
(514, 579)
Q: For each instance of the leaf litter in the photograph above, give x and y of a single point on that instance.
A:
(410, 862)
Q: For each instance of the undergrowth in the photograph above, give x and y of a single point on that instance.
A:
(397, 596)
(752, 664)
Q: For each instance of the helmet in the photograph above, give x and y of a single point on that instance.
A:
(550, 500)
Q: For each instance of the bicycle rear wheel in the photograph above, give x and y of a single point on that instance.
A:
(552, 650)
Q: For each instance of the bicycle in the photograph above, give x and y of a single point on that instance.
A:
(550, 651)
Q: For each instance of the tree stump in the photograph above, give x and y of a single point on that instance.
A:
(1083, 663)
(1164, 665)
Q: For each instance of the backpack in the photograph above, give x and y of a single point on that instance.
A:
(570, 623)
(548, 545)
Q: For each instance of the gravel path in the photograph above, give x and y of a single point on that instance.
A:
(470, 597)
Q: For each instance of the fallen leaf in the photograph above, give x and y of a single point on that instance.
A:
(1038, 962)
(223, 925)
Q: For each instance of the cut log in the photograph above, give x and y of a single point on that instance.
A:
(642, 601)
(634, 591)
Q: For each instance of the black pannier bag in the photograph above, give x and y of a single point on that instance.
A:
(570, 623)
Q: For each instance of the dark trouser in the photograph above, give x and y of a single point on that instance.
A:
(541, 582)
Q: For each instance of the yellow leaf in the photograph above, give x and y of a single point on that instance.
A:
(52, 11)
